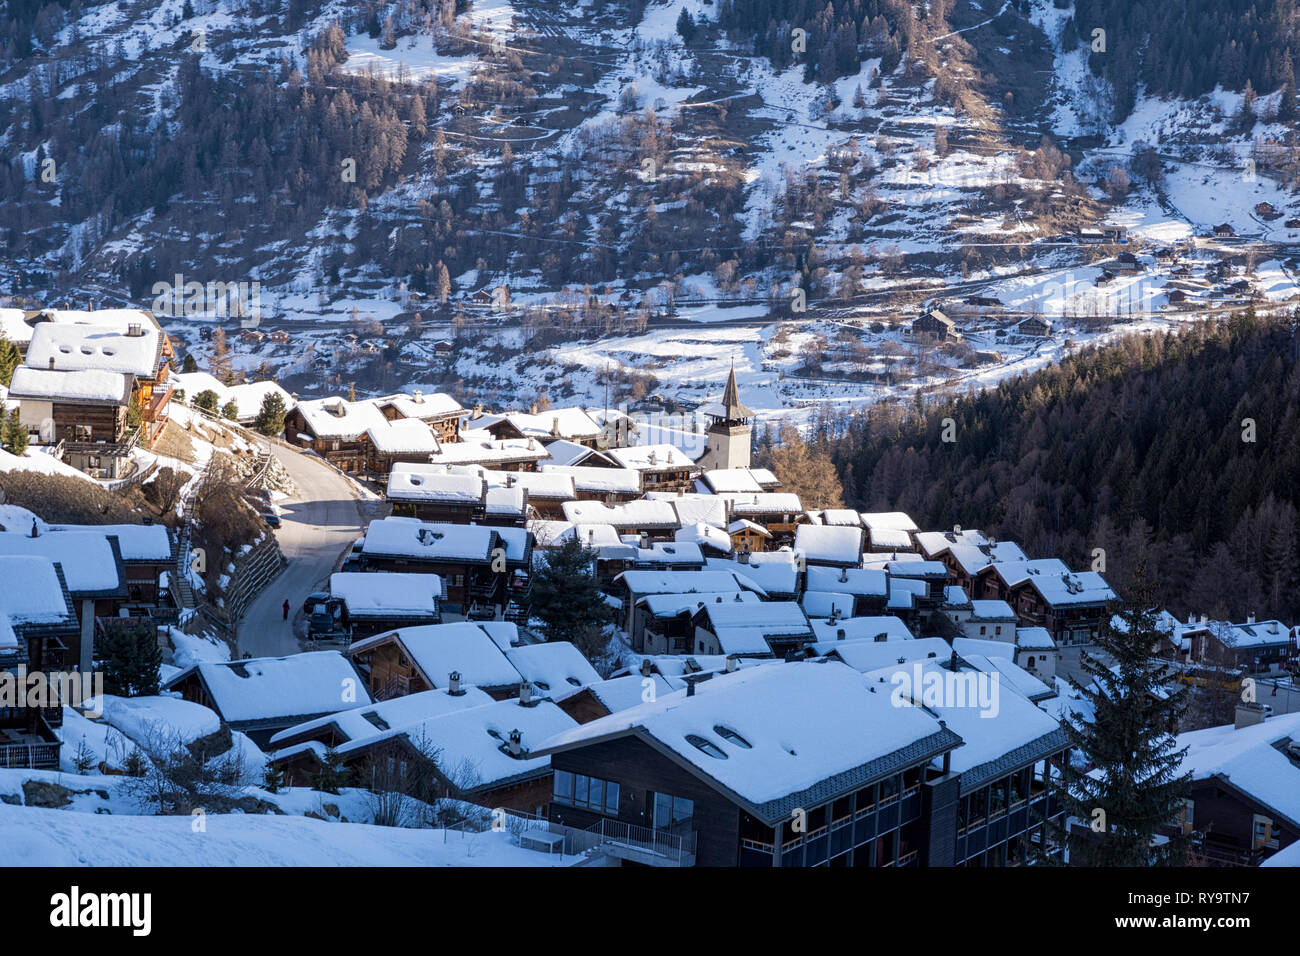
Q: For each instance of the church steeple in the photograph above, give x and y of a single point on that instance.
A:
(728, 431)
(734, 410)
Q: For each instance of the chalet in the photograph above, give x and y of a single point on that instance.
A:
(1265, 210)
(482, 297)
(662, 467)
(440, 412)
(739, 628)
(37, 623)
(693, 509)
(416, 659)
(780, 512)
(382, 601)
(692, 771)
(666, 622)
(711, 541)
(1177, 297)
(336, 429)
(1044, 593)
(1036, 326)
(597, 483)
(504, 455)
(748, 537)
(280, 337)
(995, 658)
(1292, 223)
(15, 329)
(479, 565)
(252, 336)
(1245, 781)
(564, 452)
(389, 443)
(983, 301)
(888, 531)
(737, 481)
(1257, 647)
(1127, 262)
(1166, 256)
(1105, 277)
(480, 754)
(97, 384)
(1224, 230)
(934, 324)
(990, 620)
(867, 589)
(556, 424)
(631, 587)
(839, 547)
(260, 696)
(875, 629)
(436, 493)
(656, 519)
(1102, 234)
(443, 348)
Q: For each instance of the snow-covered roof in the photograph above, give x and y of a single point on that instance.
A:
(13, 327)
(504, 501)
(767, 502)
(418, 405)
(1056, 583)
(31, 594)
(137, 542)
(540, 485)
(744, 524)
(159, 722)
(593, 478)
(991, 611)
(866, 582)
(888, 520)
(873, 628)
(1252, 759)
(338, 419)
(998, 657)
(651, 458)
(868, 654)
(565, 452)
(273, 688)
(404, 436)
(694, 508)
(936, 542)
(439, 649)
(1253, 634)
(702, 534)
(86, 559)
(368, 720)
(829, 543)
(841, 516)
(670, 605)
(774, 571)
(470, 745)
(743, 627)
(669, 553)
(972, 559)
(93, 348)
(432, 541)
(630, 690)
(824, 604)
(917, 569)
(566, 423)
(730, 480)
(417, 481)
(388, 593)
(634, 515)
(92, 385)
(956, 598)
(486, 452)
(247, 397)
(1036, 638)
(553, 667)
(686, 582)
(790, 749)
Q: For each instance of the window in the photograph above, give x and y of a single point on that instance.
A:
(983, 629)
(1264, 835)
(707, 746)
(729, 735)
(670, 811)
(590, 793)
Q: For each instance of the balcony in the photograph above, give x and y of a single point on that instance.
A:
(625, 841)
(26, 750)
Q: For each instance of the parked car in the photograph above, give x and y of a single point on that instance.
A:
(272, 520)
(482, 612)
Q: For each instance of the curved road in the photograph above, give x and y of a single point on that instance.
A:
(316, 526)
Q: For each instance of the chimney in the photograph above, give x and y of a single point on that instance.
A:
(516, 748)
(478, 410)
(133, 329)
(555, 426)
(526, 694)
(532, 409)
(839, 634)
(453, 684)
(733, 665)
(1250, 618)
(956, 529)
(1248, 715)
(653, 458)
(51, 363)
(35, 532)
(531, 446)
(1205, 619)
(417, 396)
(647, 667)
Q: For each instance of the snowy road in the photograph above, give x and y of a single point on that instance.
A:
(316, 527)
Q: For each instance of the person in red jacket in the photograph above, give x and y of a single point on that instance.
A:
(285, 607)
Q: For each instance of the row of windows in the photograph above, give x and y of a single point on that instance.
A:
(591, 793)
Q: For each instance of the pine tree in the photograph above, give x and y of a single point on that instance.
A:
(686, 26)
(131, 657)
(1131, 788)
(270, 417)
(13, 434)
(189, 365)
(230, 411)
(565, 595)
(9, 360)
(207, 400)
(332, 775)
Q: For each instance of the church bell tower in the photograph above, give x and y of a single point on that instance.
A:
(728, 435)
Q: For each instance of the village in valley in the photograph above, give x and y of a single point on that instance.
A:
(532, 638)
